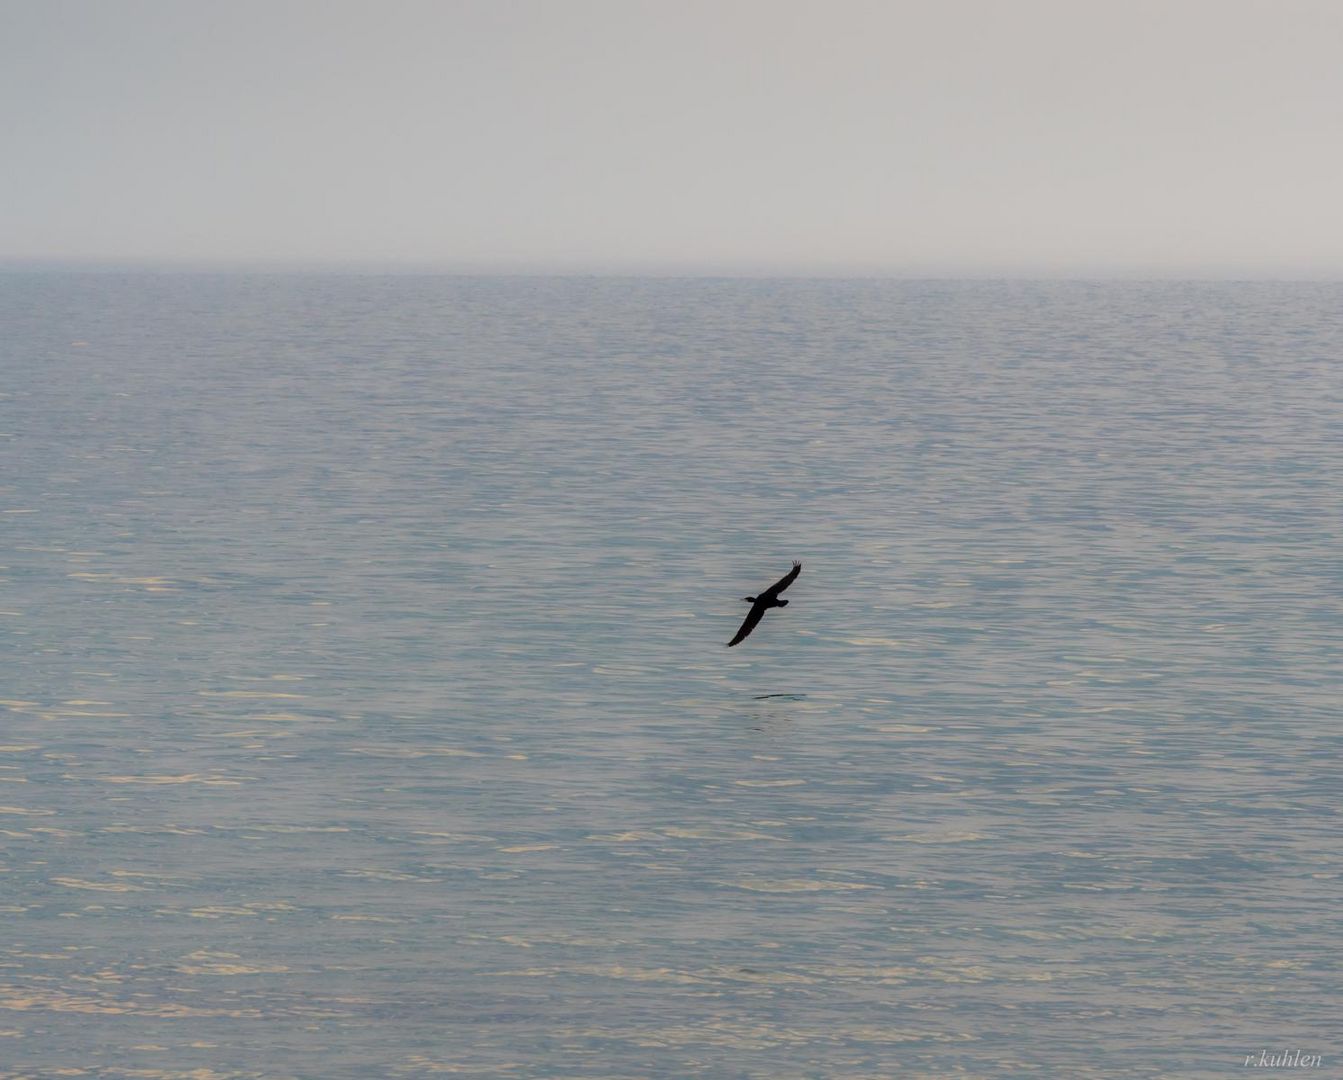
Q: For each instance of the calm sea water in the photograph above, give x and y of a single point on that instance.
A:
(367, 710)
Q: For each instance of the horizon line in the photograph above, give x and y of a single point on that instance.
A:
(680, 271)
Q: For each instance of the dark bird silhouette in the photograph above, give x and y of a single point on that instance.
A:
(762, 603)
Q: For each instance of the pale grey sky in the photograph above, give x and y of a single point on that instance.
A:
(904, 137)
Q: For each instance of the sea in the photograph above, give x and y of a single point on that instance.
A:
(367, 711)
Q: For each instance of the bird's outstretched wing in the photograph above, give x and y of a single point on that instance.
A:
(785, 581)
(752, 617)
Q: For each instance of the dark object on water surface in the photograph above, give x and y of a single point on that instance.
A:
(766, 600)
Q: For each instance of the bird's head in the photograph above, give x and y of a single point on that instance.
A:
(748, 599)
(783, 603)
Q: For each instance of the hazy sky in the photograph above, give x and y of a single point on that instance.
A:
(904, 137)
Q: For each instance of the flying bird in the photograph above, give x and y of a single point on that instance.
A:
(762, 603)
